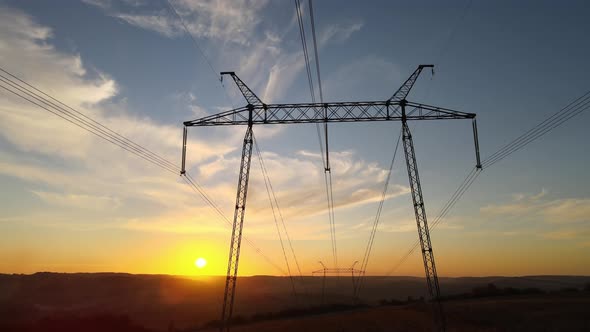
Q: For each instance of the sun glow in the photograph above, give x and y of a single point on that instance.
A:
(200, 262)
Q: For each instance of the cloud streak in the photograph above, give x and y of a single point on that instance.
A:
(557, 211)
(338, 33)
(73, 172)
(161, 23)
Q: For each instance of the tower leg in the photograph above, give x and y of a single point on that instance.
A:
(423, 232)
(236, 235)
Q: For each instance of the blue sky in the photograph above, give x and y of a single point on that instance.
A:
(71, 203)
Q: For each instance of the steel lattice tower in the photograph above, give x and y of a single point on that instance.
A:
(396, 108)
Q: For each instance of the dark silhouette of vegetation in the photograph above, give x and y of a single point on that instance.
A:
(394, 302)
(569, 290)
(98, 323)
(285, 314)
(489, 290)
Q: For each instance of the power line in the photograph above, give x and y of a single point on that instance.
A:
(459, 191)
(331, 206)
(317, 66)
(23, 94)
(276, 203)
(325, 161)
(200, 191)
(574, 108)
(79, 116)
(566, 113)
(272, 206)
(327, 168)
(463, 187)
(215, 72)
(308, 71)
(369, 247)
(304, 46)
(29, 93)
(175, 12)
(315, 49)
(199, 49)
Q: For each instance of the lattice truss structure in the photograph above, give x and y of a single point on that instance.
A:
(338, 271)
(396, 108)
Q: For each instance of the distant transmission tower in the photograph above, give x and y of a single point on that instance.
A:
(324, 271)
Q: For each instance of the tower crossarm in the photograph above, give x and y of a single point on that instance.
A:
(416, 111)
(336, 112)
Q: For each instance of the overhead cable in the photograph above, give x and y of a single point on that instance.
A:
(572, 109)
(325, 162)
(274, 214)
(369, 247)
(35, 96)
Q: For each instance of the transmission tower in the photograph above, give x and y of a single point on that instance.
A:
(338, 271)
(396, 108)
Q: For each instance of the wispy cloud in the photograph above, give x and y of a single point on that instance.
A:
(71, 164)
(338, 33)
(560, 235)
(299, 185)
(572, 210)
(572, 235)
(232, 30)
(231, 21)
(162, 23)
(104, 4)
(66, 167)
(557, 211)
(228, 20)
(79, 201)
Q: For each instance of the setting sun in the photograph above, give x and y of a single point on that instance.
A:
(200, 262)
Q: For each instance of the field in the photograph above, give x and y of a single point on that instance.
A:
(123, 302)
(528, 313)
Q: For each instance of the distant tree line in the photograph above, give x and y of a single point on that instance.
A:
(489, 290)
(74, 323)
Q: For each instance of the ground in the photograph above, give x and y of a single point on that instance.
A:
(152, 303)
(519, 313)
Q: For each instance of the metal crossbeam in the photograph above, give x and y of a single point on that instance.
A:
(336, 112)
